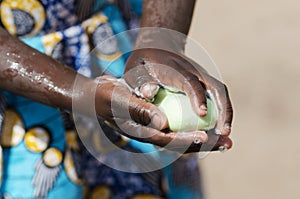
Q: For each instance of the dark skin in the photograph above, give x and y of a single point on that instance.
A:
(149, 62)
(26, 72)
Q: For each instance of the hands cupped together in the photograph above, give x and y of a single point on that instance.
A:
(127, 104)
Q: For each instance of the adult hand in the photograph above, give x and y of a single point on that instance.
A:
(148, 69)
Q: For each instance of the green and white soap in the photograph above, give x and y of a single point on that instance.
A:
(180, 114)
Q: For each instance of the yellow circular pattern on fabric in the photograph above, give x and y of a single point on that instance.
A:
(52, 157)
(70, 168)
(33, 7)
(50, 41)
(13, 129)
(112, 57)
(101, 192)
(91, 24)
(146, 196)
(71, 138)
(37, 139)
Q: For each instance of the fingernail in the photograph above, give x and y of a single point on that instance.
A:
(203, 110)
(227, 128)
(200, 137)
(197, 140)
(223, 149)
(158, 122)
(217, 132)
(149, 90)
(203, 107)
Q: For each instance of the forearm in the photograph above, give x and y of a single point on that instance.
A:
(165, 24)
(171, 14)
(29, 73)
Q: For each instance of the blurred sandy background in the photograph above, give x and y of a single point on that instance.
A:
(256, 46)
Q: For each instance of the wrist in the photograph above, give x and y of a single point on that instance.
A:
(161, 38)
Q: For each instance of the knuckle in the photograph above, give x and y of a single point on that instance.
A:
(192, 83)
(229, 116)
(140, 114)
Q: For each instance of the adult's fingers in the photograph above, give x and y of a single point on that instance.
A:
(145, 80)
(187, 142)
(222, 100)
(147, 69)
(224, 143)
(181, 80)
(227, 114)
(175, 141)
(216, 142)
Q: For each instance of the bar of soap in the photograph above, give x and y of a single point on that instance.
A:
(180, 114)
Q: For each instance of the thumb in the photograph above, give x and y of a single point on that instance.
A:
(146, 113)
(149, 90)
